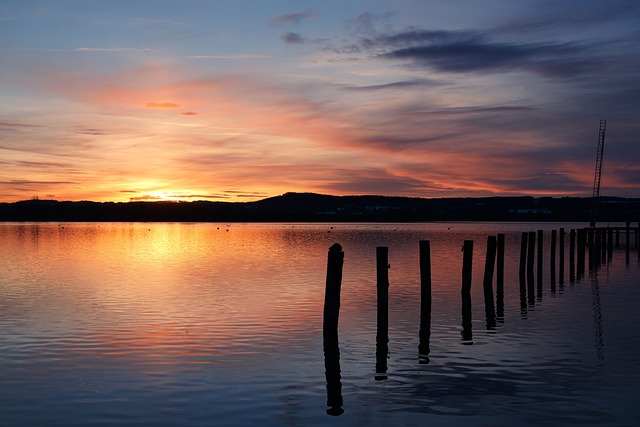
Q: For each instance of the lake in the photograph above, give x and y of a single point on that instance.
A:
(194, 324)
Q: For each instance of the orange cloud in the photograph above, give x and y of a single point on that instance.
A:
(161, 105)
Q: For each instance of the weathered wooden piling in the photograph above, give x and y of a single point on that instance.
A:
(572, 255)
(628, 241)
(330, 330)
(581, 252)
(561, 258)
(552, 260)
(609, 243)
(592, 248)
(425, 298)
(540, 260)
(628, 233)
(382, 336)
(332, 291)
(523, 268)
(467, 267)
(500, 278)
(523, 256)
(487, 283)
(530, 261)
(597, 259)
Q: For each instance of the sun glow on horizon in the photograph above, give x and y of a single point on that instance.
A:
(194, 195)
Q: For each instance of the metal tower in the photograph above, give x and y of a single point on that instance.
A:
(598, 174)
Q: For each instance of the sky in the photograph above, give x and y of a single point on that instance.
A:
(127, 100)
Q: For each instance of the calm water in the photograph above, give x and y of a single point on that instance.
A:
(216, 324)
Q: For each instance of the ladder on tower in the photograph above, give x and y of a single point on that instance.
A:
(598, 174)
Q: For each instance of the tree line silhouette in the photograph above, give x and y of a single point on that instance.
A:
(312, 207)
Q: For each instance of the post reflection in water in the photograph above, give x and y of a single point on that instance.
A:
(597, 319)
(382, 354)
(332, 374)
(335, 262)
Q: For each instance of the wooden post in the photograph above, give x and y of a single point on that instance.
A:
(425, 298)
(382, 336)
(530, 261)
(610, 244)
(628, 240)
(500, 278)
(523, 256)
(552, 260)
(330, 330)
(572, 255)
(467, 265)
(581, 254)
(332, 291)
(628, 233)
(592, 248)
(561, 259)
(523, 267)
(598, 247)
(540, 260)
(487, 283)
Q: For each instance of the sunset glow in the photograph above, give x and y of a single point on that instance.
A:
(151, 100)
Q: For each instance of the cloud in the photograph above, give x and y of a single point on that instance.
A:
(6, 124)
(394, 85)
(113, 49)
(480, 110)
(90, 131)
(175, 196)
(146, 198)
(246, 194)
(26, 184)
(574, 14)
(463, 56)
(372, 181)
(473, 51)
(189, 113)
(42, 165)
(161, 105)
(367, 23)
(292, 38)
(293, 18)
(239, 56)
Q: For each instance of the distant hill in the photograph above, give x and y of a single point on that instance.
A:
(311, 207)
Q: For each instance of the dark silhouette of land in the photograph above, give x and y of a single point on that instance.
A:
(310, 207)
